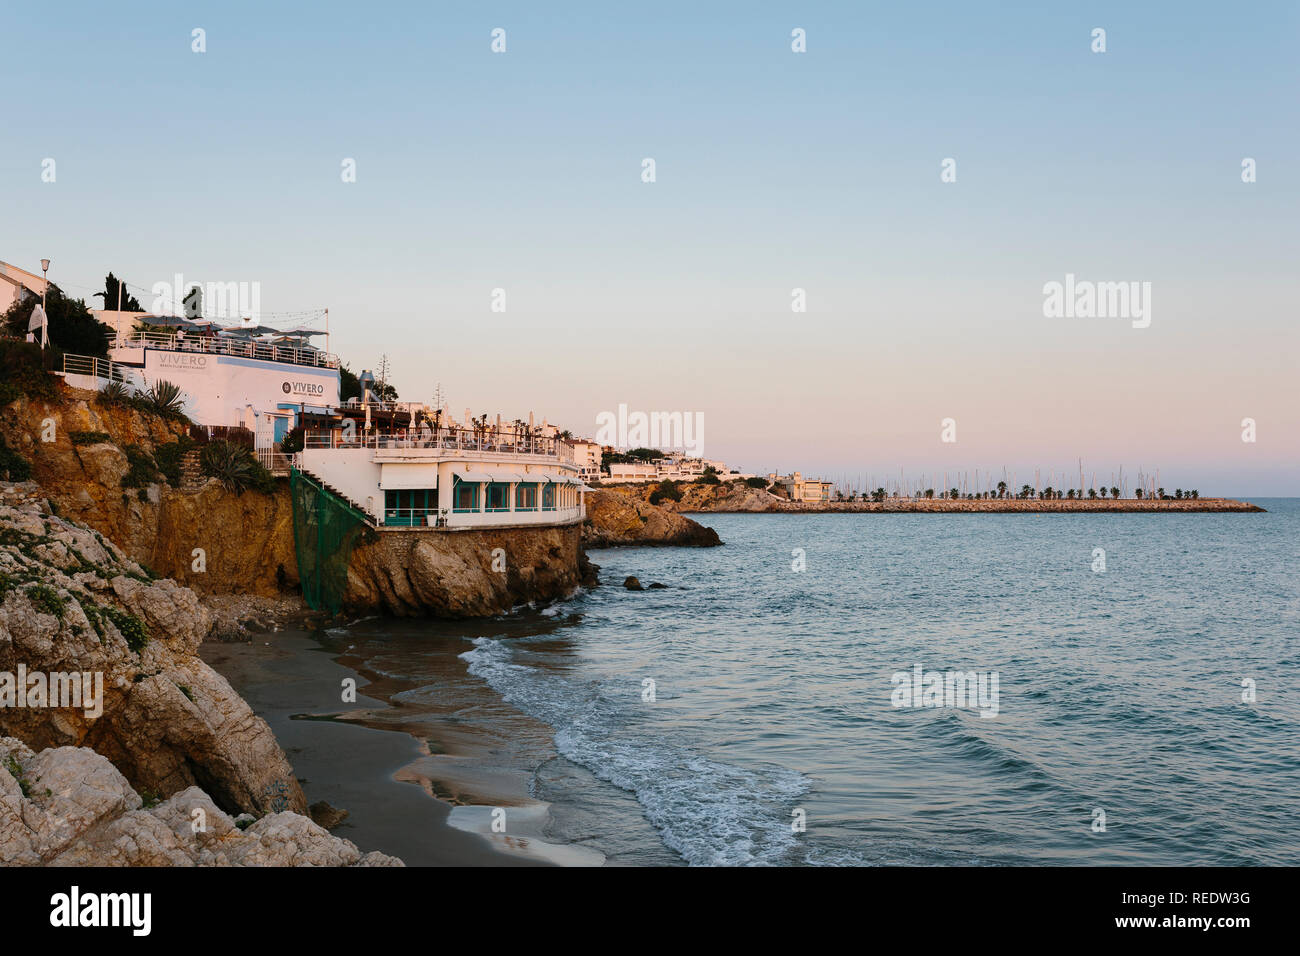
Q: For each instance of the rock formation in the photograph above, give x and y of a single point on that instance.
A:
(72, 602)
(615, 518)
(69, 806)
(84, 469)
(465, 573)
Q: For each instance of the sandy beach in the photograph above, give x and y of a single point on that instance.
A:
(426, 798)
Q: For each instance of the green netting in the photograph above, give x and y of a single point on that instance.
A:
(324, 530)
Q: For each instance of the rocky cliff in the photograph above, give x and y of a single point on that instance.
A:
(71, 602)
(465, 573)
(617, 518)
(96, 463)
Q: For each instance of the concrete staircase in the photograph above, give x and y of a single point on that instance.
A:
(334, 492)
(192, 477)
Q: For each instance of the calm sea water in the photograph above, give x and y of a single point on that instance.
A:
(1119, 692)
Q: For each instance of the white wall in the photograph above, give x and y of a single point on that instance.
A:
(349, 471)
(218, 387)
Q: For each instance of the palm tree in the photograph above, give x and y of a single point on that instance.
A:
(1178, 492)
(1137, 493)
(1103, 491)
(1025, 491)
(1195, 493)
(1002, 489)
(1160, 493)
(1114, 492)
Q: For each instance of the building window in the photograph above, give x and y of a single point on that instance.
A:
(526, 496)
(465, 497)
(498, 496)
(548, 496)
(407, 507)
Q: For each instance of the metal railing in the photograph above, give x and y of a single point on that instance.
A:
(97, 367)
(274, 460)
(173, 341)
(450, 439)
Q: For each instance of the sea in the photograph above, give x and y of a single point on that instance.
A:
(911, 689)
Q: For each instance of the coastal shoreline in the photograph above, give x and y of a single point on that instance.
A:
(408, 776)
(345, 760)
(1204, 506)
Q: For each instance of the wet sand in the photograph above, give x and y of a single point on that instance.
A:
(399, 790)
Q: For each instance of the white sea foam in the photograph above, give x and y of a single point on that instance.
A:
(711, 813)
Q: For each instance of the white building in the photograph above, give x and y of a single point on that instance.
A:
(451, 478)
(254, 377)
(18, 284)
(633, 471)
(799, 488)
(586, 455)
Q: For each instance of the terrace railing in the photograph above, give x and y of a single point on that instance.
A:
(449, 439)
(171, 340)
(98, 367)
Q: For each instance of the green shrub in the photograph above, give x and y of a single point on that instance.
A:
(24, 370)
(16, 771)
(47, 599)
(707, 479)
(168, 458)
(89, 438)
(13, 466)
(291, 444)
(235, 467)
(665, 490)
(756, 482)
(129, 626)
(141, 470)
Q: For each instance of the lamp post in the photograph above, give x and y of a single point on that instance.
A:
(45, 287)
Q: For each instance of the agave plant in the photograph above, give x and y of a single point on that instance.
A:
(233, 465)
(165, 398)
(115, 393)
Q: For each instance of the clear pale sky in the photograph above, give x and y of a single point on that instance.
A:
(775, 170)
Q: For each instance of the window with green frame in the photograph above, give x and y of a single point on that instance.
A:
(548, 496)
(498, 496)
(409, 506)
(465, 496)
(526, 496)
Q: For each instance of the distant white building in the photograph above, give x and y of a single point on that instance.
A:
(633, 471)
(799, 488)
(586, 455)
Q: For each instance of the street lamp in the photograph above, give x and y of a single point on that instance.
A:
(45, 287)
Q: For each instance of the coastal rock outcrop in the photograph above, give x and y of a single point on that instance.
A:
(737, 497)
(465, 573)
(72, 603)
(614, 518)
(69, 806)
(96, 461)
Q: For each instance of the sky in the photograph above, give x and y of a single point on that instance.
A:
(774, 171)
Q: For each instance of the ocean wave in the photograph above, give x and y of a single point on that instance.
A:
(711, 813)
